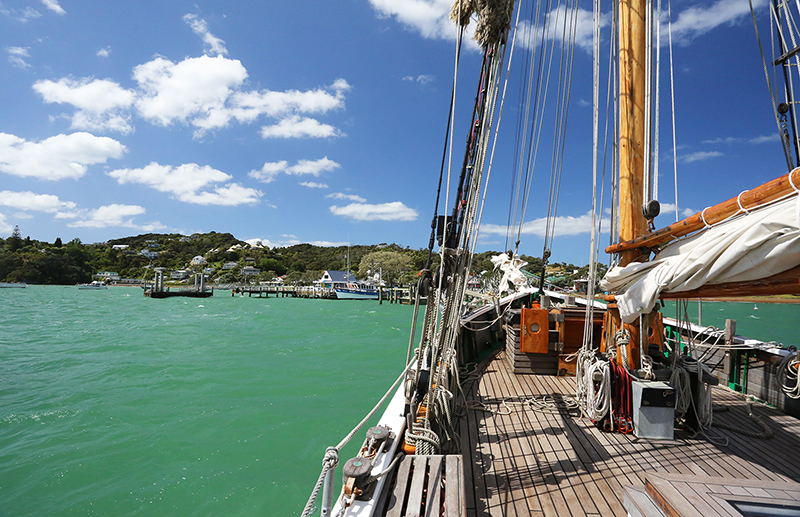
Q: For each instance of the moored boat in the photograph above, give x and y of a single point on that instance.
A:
(95, 285)
(13, 285)
(356, 291)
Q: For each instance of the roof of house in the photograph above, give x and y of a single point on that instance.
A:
(341, 276)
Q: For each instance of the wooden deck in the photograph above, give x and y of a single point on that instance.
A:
(558, 464)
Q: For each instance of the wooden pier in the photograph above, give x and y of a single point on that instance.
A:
(281, 291)
(402, 295)
(158, 290)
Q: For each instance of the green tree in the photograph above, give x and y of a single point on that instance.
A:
(14, 242)
(391, 264)
(58, 242)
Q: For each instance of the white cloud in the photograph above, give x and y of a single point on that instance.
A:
(36, 202)
(291, 240)
(349, 197)
(669, 208)
(214, 45)
(194, 90)
(313, 167)
(5, 228)
(104, 52)
(763, 139)
(395, 211)
(101, 104)
(186, 182)
(699, 156)
(57, 157)
(580, 22)
(421, 79)
(17, 55)
(270, 170)
(564, 225)
(53, 6)
(21, 15)
(431, 18)
(297, 127)
(288, 240)
(311, 184)
(205, 92)
(696, 21)
(108, 215)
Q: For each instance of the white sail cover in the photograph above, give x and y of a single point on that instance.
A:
(759, 244)
(512, 272)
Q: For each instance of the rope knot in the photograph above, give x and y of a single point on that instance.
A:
(331, 458)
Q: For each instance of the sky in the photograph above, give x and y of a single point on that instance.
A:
(324, 122)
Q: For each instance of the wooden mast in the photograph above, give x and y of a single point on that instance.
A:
(632, 57)
(632, 224)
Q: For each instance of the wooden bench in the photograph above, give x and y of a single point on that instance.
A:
(428, 486)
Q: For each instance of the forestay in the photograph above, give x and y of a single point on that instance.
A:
(750, 246)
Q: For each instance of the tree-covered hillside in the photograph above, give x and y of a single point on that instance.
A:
(34, 261)
(223, 257)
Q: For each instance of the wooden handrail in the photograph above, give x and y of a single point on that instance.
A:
(749, 200)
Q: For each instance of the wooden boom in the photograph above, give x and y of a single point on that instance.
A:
(746, 201)
(787, 282)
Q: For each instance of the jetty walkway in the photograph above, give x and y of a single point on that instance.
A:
(403, 295)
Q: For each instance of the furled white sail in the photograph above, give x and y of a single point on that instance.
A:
(751, 246)
(512, 272)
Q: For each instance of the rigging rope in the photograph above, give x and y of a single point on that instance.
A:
(672, 94)
(786, 151)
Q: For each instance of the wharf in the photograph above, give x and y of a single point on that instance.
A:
(158, 290)
(189, 293)
(283, 291)
(558, 464)
(402, 295)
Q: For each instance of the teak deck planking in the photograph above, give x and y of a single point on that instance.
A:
(554, 464)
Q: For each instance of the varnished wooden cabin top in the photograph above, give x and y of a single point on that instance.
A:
(559, 464)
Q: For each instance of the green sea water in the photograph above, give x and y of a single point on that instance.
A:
(778, 322)
(114, 404)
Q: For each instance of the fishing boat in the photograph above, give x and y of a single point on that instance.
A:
(345, 286)
(94, 285)
(542, 403)
(356, 291)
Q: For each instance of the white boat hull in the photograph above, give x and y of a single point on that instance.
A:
(356, 294)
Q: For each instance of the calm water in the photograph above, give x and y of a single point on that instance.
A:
(114, 404)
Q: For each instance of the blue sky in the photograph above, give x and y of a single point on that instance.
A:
(321, 122)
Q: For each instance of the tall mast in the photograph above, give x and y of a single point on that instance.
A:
(632, 15)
